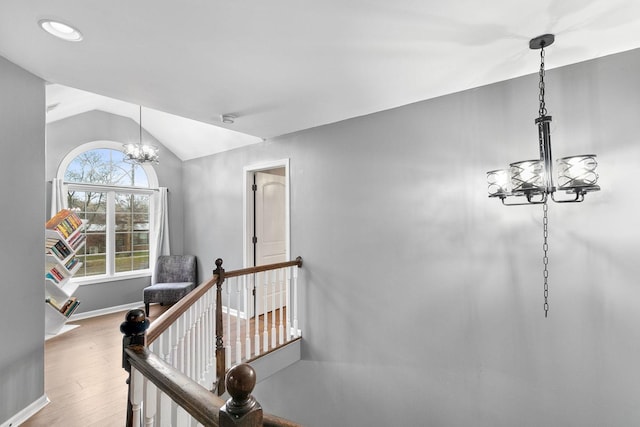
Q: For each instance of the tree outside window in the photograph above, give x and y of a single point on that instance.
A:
(113, 197)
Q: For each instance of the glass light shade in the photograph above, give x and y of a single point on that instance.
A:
(498, 183)
(527, 176)
(577, 172)
(140, 153)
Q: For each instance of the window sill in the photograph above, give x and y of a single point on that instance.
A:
(93, 280)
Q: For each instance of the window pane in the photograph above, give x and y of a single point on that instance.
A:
(124, 262)
(90, 207)
(132, 232)
(140, 260)
(105, 166)
(127, 211)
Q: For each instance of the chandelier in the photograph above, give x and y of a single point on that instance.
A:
(140, 153)
(532, 182)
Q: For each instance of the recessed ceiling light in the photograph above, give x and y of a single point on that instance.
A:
(60, 30)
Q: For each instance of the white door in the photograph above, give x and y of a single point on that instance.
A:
(270, 233)
(270, 217)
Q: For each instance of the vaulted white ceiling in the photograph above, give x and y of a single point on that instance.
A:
(285, 65)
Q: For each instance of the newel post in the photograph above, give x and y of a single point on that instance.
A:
(242, 409)
(133, 328)
(220, 353)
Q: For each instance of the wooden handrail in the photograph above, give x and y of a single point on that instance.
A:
(199, 402)
(269, 420)
(250, 270)
(163, 322)
(207, 408)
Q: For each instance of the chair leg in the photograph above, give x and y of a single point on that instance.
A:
(146, 308)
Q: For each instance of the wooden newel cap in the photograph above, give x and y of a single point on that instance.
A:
(218, 262)
(135, 323)
(240, 381)
(241, 410)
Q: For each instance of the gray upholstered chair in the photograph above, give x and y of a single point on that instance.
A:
(174, 277)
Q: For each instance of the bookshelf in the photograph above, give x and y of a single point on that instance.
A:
(63, 239)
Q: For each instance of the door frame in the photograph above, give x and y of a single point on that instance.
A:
(247, 207)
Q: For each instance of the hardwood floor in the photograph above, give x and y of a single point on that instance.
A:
(84, 379)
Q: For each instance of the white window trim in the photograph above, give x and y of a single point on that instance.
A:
(152, 178)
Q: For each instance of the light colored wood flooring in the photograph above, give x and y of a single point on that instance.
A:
(84, 379)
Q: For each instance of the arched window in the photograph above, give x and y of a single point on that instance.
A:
(114, 198)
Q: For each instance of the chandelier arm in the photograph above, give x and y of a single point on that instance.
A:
(529, 201)
(579, 197)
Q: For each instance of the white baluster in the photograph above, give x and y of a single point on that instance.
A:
(153, 347)
(180, 353)
(136, 390)
(256, 318)
(296, 300)
(150, 403)
(200, 341)
(204, 340)
(165, 345)
(206, 350)
(196, 342)
(164, 411)
(197, 356)
(182, 417)
(265, 314)
(273, 308)
(211, 335)
(288, 300)
(247, 320)
(227, 335)
(212, 320)
(281, 304)
(194, 345)
(187, 344)
(238, 320)
(174, 344)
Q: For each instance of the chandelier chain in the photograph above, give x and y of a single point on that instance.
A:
(542, 111)
(545, 258)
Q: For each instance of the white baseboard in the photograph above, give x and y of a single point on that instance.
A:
(27, 412)
(271, 363)
(108, 310)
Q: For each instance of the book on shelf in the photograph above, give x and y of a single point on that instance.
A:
(65, 222)
(60, 250)
(67, 304)
(52, 272)
(76, 240)
(71, 263)
(70, 306)
(53, 303)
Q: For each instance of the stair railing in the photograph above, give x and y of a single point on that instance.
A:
(188, 340)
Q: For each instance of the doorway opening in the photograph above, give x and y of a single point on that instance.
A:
(266, 223)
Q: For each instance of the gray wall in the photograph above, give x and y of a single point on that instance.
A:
(65, 135)
(22, 186)
(424, 298)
